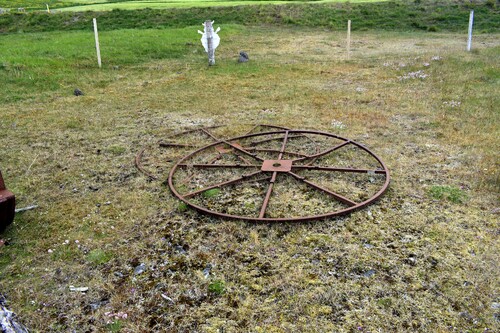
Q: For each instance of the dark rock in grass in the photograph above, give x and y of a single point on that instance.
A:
(243, 57)
(78, 92)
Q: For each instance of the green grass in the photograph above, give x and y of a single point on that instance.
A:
(34, 64)
(217, 287)
(453, 194)
(397, 16)
(211, 193)
(99, 5)
(98, 257)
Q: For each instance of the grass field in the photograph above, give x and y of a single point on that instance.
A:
(422, 259)
(392, 16)
(100, 5)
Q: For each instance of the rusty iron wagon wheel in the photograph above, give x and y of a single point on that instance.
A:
(280, 175)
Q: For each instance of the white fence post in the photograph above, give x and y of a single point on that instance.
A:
(97, 43)
(348, 39)
(471, 21)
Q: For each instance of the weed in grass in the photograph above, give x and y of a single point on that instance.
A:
(182, 207)
(211, 193)
(116, 150)
(99, 257)
(115, 326)
(449, 193)
(217, 287)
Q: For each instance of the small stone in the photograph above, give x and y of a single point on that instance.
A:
(118, 274)
(243, 57)
(411, 260)
(206, 271)
(165, 297)
(179, 249)
(140, 269)
(369, 273)
(78, 92)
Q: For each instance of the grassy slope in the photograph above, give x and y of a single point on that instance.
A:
(387, 16)
(79, 5)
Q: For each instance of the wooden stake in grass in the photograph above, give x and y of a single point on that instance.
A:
(48, 9)
(471, 21)
(97, 43)
(348, 39)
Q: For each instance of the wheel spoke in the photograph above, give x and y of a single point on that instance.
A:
(275, 151)
(324, 152)
(320, 168)
(229, 182)
(265, 203)
(239, 148)
(208, 166)
(323, 189)
(175, 145)
(209, 134)
(193, 130)
(273, 139)
(283, 146)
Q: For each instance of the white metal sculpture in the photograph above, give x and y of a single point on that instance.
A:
(210, 40)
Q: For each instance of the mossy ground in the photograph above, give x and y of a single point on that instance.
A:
(410, 262)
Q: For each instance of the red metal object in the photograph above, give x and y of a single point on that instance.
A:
(326, 166)
(7, 205)
(277, 165)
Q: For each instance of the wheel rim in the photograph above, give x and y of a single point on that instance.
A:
(296, 175)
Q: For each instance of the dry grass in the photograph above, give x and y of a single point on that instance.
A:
(408, 263)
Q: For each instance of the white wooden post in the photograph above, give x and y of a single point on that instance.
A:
(48, 10)
(209, 30)
(97, 43)
(348, 39)
(471, 21)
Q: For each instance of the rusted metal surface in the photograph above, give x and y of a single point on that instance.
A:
(7, 205)
(334, 172)
(172, 142)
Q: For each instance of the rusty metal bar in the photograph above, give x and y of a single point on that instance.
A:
(321, 188)
(321, 168)
(229, 182)
(265, 203)
(324, 152)
(193, 130)
(275, 139)
(209, 134)
(138, 164)
(239, 148)
(175, 145)
(274, 151)
(218, 166)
